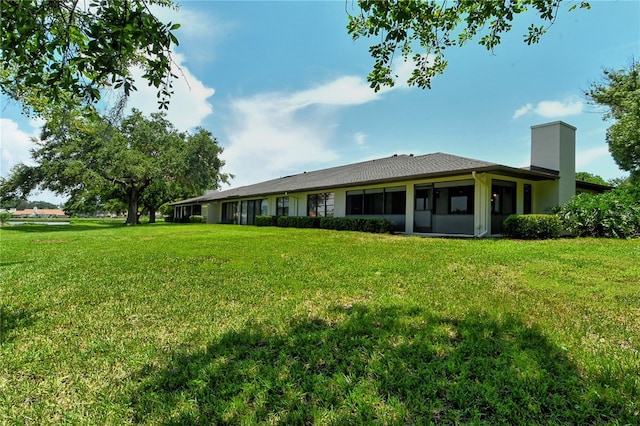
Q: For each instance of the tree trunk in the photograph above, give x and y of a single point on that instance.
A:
(132, 206)
(152, 214)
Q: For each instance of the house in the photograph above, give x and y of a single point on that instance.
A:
(41, 213)
(426, 194)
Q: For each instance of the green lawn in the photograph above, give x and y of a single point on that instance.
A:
(174, 324)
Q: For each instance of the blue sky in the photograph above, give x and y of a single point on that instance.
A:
(283, 88)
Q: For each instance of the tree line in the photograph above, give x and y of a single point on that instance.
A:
(143, 162)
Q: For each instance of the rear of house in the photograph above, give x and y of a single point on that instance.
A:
(439, 193)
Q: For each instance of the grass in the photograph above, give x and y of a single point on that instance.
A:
(173, 324)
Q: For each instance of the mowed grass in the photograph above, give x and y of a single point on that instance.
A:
(183, 324)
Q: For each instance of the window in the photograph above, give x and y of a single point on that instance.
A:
(264, 207)
(243, 212)
(395, 200)
(503, 197)
(282, 206)
(320, 205)
(230, 212)
(354, 202)
(377, 201)
(249, 209)
(423, 197)
(374, 201)
(461, 200)
(527, 207)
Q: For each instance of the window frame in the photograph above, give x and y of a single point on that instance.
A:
(458, 192)
(367, 202)
(499, 190)
(282, 206)
(323, 204)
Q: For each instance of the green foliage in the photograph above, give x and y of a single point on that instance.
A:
(298, 222)
(589, 177)
(532, 226)
(620, 94)
(373, 225)
(266, 220)
(613, 214)
(21, 204)
(254, 325)
(434, 26)
(54, 52)
(138, 160)
(196, 218)
(4, 218)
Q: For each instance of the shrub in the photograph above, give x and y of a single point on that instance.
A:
(298, 222)
(532, 226)
(613, 214)
(374, 225)
(266, 220)
(4, 218)
(168, 218)
(196, 218)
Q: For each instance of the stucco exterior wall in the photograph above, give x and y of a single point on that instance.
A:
(477, 224)
(553, 146)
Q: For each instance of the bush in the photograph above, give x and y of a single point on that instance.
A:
(196, 218)
(373, 225)
(532, 226)
(4, 218)
(168, 218)
(613, 214)
(266, 220)
(298, 222)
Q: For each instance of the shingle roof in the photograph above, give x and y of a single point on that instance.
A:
(389, 169)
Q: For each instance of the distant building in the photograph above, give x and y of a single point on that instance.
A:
(41, 213)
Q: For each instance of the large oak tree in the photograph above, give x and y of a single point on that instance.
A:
(142, 159)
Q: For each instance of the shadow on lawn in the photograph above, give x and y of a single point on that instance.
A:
(390, 366)
(11, 320)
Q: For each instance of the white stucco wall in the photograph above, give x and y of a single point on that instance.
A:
(478, 224)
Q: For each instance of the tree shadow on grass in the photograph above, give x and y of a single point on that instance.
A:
(12, 319)
(361, 365)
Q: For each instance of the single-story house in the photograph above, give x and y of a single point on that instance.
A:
(36, 212)
(424, 194)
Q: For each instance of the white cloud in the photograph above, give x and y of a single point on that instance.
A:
(524, 110)
(199, 30)
(189, 105)
(360, 139)
(276, 134)
(551, 109)
(346, 90)
(16, 145)
(597, 154)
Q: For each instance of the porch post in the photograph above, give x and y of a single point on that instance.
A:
(409, 209)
